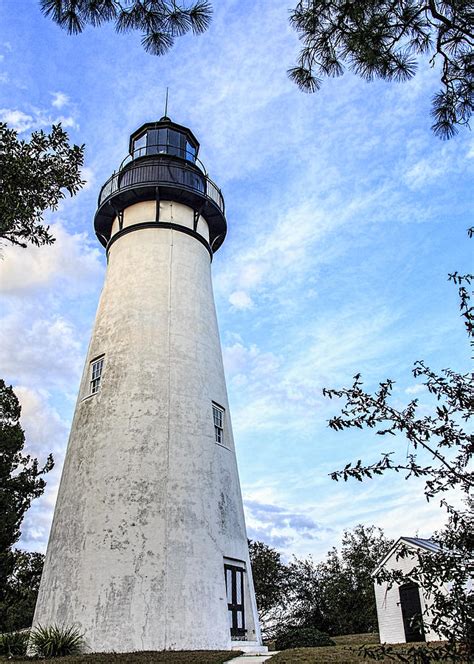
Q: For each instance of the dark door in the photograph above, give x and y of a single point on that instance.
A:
(411, 612)
(234, 583)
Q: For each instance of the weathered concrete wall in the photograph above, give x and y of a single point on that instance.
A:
(389, 611)
(149, 504)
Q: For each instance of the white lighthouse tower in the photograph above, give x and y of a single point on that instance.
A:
(148, 549)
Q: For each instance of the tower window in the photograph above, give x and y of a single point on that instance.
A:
(96, 374)
(218, 416)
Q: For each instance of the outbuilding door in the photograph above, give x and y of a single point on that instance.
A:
(411, 612)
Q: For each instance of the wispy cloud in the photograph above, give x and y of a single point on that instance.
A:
(278, 526)
(60, 99)
(317, 522)
(284, 390)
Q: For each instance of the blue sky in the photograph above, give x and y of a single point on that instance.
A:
(345, 215)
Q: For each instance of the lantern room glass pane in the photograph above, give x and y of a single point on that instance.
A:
(162, 140)
(190, 151)
(174, 143)
(139, 146)
(152, 141)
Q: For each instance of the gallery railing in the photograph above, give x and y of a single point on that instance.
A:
(156, 172)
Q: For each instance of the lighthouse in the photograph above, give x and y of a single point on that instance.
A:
(148, 548)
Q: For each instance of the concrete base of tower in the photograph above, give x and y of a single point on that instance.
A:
(249, 647)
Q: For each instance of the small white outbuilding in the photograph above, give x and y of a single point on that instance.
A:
(398, 605)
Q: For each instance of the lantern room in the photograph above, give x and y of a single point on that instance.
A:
(162, 165)
(164, 137)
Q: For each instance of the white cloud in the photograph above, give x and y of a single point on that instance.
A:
(333, 348)
(416, 389)
(35, 119)
(60, 99)
(281, 248)
(240, 300)
(17, 120)
(4, 77)
(237, 356)
(45, 353)
(72, 263)
(88, 174)
(67, 121)
(45, 433)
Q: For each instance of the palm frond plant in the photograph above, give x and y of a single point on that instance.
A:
(55, 641)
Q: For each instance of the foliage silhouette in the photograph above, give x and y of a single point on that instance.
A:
(385, 39)
(21, 481)
(334, 596)
(20, 590)
(443, 437)
(33, 177)
(14, 644)
(160, 21)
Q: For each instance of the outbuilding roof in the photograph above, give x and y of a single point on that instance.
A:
(428, 544)
(418, 542)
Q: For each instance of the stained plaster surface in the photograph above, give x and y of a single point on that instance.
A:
(149, 504)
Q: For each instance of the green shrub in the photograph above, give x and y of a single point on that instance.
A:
(14, 644)
(302, 637)
(55, 641)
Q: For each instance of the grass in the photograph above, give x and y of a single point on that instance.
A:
(341, 653)
(345, 652)
(168, 657)
(357, 640)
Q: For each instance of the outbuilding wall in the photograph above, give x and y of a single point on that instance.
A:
(389, 610)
